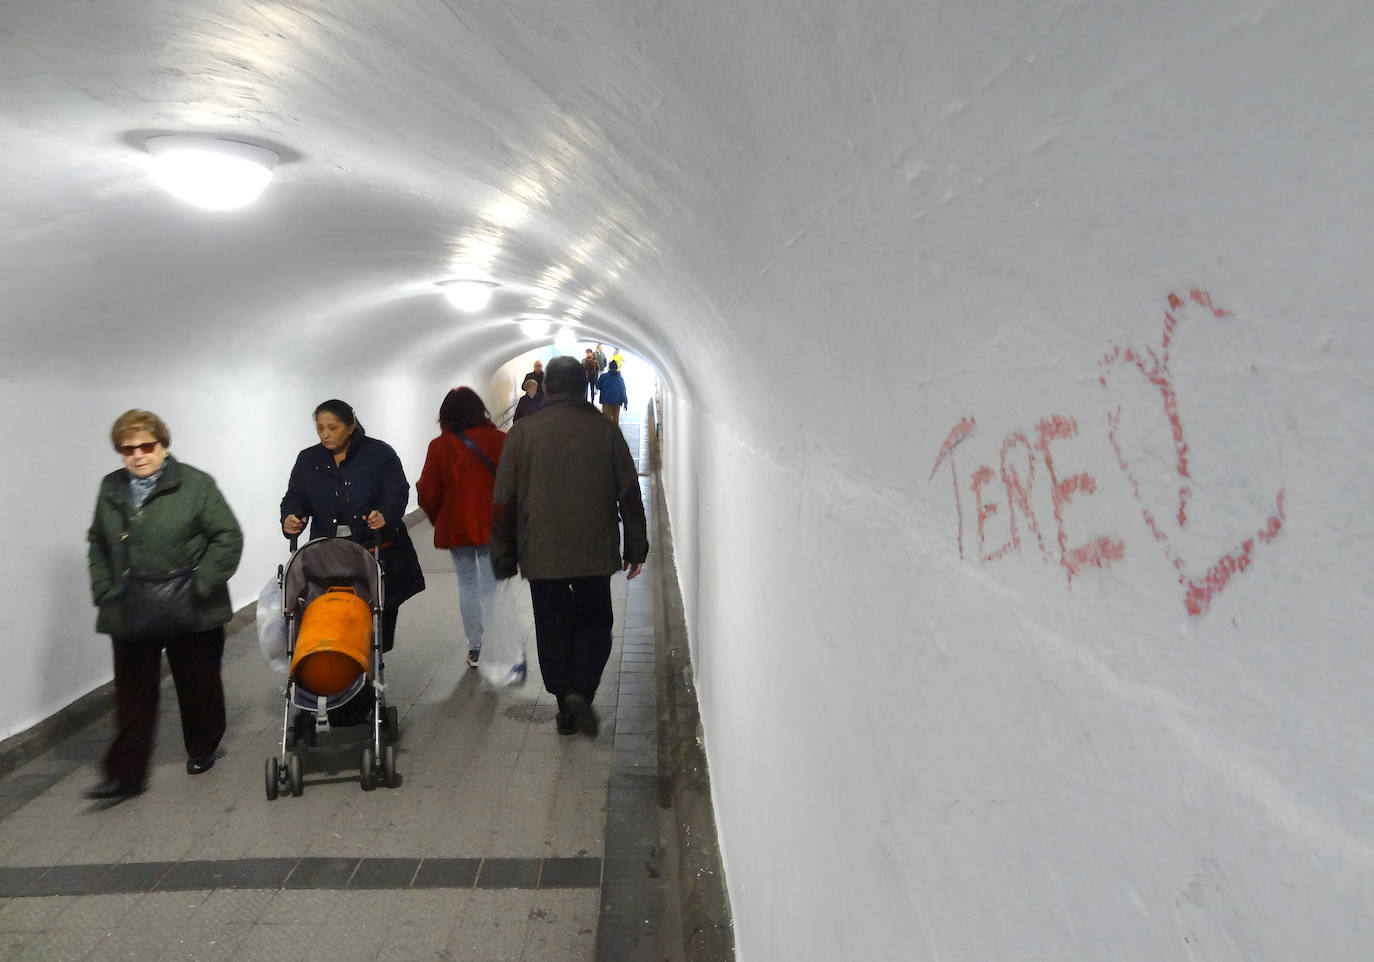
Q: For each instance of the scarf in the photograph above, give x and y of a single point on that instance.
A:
(140, 488)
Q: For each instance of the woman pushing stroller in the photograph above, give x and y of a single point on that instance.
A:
(351, 485)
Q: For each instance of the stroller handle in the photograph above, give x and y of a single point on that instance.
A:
(375, 540)
(295, 538)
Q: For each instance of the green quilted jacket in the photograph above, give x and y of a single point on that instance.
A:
(185, 522)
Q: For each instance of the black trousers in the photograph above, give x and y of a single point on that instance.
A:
(195, 662)
(572, 630)
(389, 615)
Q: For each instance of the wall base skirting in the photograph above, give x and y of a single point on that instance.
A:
(707, 926)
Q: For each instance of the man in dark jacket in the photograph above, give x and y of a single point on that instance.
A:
(565, 483)
(536, 372)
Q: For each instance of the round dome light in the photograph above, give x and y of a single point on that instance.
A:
(469, 294)
(535, 325)
(209, 172)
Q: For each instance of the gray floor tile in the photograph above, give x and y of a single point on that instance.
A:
(32, 915)
(102, 912)
(64, 945)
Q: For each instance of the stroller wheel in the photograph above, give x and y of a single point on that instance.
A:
(273, 778)
(389, 777)
(295, 774)
(367, 772)
(392, 720)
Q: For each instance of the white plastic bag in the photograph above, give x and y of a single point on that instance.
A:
(272, 627)
(507, 627)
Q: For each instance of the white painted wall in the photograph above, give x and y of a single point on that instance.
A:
(838, 231)
(921, 754)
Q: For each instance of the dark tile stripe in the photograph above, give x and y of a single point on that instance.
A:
(14, 881)
(508, 873)
(384, 873)
(321, 873)
(447, 873)
(303, 873)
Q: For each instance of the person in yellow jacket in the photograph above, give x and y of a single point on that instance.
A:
(618, 360)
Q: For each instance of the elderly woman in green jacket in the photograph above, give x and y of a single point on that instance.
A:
(163, 545)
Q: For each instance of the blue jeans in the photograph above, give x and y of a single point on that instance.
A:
(475, 585)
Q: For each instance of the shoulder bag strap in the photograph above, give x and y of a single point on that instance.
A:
(478, 451)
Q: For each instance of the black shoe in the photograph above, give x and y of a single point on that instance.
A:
(199, 763)
(115, 788)
(565, 724)
(583, 715)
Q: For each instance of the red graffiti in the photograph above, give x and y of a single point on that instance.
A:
(985, 510)
(1100, 551)
(956, 437)
(1020, 456)
(1200, 592)
(1154, 367)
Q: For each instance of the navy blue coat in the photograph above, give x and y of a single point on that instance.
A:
(370, 477)
(612, 387)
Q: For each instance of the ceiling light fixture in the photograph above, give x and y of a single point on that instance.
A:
(210, 172)
(535, 325)
(566, 339)
(468, 294)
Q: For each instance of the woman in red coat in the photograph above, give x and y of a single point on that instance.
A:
(454, 492)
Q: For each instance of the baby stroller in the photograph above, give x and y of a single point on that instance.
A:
(332, 602)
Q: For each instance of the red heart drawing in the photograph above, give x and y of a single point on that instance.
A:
(1150, 489)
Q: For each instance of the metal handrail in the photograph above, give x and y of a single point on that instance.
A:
(507, 416)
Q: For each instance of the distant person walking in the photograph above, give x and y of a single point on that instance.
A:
(590, 372)
(613, 396)
(529, 402)
(537, 372)
(454, 491)
(163, 545)
(600, 356)
(565, 483)
(618, 360)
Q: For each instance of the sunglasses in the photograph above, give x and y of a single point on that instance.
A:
(147, 447)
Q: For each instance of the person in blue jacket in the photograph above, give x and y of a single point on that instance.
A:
(351, 485)
(613, 396)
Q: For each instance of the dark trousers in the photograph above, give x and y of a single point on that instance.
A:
(195, 663)
(389, 615)
(591, 390)
(572, 630)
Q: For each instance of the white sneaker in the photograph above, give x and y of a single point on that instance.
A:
(473, 655)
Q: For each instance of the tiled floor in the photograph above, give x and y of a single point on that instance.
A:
(497, 845)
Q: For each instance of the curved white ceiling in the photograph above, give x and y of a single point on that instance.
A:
(419, 141)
